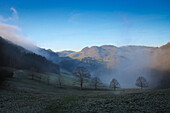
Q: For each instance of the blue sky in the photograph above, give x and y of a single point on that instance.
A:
(74, 24)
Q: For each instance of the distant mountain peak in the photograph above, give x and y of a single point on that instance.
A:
(50, 50)
(108, 46)
(85, 49)
(98, 47)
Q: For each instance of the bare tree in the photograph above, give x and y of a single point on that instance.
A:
(96, 82)
(141, 82)
(114, 84)
(81, 73)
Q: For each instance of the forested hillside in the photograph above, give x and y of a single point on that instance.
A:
(15, 56)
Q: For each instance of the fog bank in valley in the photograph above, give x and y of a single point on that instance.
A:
(131, 65)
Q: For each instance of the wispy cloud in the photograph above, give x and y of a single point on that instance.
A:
(12, 32)
(13, 17)
(15, 35)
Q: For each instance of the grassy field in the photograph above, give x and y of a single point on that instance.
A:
(24, 95)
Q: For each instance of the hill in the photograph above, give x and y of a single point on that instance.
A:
(160, 66)
(65, 53)
(166, 46)
(15, 56)
(110, 54)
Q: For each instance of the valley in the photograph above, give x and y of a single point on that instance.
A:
(84, 56)
(44, 81)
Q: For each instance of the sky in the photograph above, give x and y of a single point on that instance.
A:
(74, 24)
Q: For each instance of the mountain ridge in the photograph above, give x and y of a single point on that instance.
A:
(109, 54)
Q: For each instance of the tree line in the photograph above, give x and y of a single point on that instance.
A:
(82, 76)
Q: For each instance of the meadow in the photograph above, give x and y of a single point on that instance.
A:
(24, 95)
